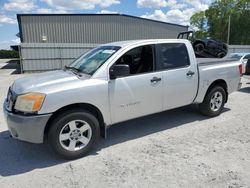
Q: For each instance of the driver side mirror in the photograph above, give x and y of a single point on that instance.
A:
(119, 71)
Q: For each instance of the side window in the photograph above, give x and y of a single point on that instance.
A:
(139, 59)
(172, 55)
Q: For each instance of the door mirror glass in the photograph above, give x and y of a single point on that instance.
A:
(119, 71)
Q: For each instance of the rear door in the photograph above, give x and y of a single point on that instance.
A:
(140, 93)
(180, 77)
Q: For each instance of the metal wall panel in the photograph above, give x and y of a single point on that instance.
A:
(50, 56)
(239, 49)
(93, 28)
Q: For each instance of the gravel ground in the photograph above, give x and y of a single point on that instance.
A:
(177, 148)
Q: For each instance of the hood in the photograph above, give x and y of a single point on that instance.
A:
(43, 82)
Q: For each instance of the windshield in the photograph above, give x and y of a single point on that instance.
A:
(236, 56)
(89, 63)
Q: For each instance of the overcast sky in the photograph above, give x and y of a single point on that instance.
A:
(173, 11)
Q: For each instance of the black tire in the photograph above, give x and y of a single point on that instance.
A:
(199, 48)
(58, 125)
(221, 55)
(206, 108)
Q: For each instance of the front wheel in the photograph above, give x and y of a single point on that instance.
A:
(213, 102)
(73, 133)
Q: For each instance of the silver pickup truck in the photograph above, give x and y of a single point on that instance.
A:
(114, 83)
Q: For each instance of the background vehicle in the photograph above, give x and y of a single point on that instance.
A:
(244, 58)
(206, 47)
(114, 83)
(247, 69)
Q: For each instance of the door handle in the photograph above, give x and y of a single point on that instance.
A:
(155, 79)
(190, 73)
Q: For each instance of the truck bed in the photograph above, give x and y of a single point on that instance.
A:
(211, 69)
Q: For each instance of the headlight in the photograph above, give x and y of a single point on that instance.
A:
(30, 102)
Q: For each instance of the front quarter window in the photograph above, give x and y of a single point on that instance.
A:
(91, 61)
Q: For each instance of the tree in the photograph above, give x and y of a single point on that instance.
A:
(217, 20)
(240, 23)
(8, 54)
(198, 22)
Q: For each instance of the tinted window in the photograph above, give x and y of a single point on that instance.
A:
(172, 55)
(139, 60)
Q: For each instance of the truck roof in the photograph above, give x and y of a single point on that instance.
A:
(135, 42)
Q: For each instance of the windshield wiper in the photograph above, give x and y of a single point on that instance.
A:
(74, 70)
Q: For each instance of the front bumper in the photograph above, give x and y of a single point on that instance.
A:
(26, 128)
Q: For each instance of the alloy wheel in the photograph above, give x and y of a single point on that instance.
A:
(75, 135)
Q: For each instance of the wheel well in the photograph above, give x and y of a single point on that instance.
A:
(91, 108)
(221, 83)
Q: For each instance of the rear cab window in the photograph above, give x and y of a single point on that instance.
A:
(171, 56)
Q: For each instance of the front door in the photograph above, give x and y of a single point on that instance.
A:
(140, 93)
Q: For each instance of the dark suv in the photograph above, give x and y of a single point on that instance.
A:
(206, 47)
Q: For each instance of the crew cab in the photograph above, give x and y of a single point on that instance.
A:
(113, 83)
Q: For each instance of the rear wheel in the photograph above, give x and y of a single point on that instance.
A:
(213, 102)
(73, 133)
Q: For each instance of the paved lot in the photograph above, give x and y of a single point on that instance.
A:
(178, 148)
(9, 66)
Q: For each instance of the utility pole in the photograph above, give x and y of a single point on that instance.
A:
(228, 29)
